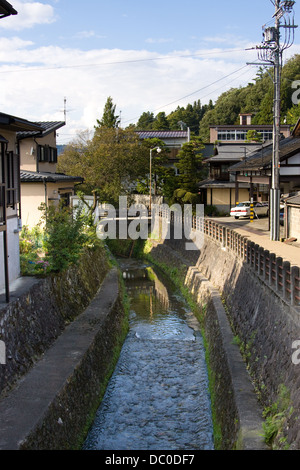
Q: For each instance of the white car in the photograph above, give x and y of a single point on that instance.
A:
(243, 209)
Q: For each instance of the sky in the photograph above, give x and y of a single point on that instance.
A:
(148, 56)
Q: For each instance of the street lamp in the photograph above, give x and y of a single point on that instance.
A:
(158, 149)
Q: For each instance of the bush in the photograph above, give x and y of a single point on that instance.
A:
(59, 244)
(64, 236)
(211, 211)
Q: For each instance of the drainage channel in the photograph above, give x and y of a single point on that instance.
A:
(158, 395)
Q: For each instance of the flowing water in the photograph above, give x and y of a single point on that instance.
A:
(157, 398)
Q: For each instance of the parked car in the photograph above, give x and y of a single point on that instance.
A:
(281, 216)
(243, 209)
(261, 209)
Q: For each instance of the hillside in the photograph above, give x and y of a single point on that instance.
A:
(255, 98)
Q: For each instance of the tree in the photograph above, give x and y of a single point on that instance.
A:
(110, 163)
(253, 136)
(161, 122)
(109, 118)
(145, 121)
(191, 171)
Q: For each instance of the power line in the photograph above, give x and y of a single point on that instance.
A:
(193, 93)
(58, 67)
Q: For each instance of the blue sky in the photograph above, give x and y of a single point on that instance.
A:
(148, 56)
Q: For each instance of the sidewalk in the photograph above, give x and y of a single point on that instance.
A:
(17, 288)
(257, 231)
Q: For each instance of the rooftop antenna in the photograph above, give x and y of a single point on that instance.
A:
(276, 39)
(65, 109)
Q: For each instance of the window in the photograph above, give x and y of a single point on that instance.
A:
(52, 155)
(12, 179)
(47, 154)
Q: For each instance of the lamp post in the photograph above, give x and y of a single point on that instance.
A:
(158, 149)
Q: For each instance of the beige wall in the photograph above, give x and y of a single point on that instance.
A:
(34, 194)
(12, 140)
(29, 159)
(221, 197)
(293, 222)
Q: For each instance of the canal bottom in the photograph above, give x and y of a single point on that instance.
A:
(157, 397)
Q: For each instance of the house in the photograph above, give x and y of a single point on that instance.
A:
(10, 210)
(6, 9)
(39, 181)
(238, 133)
(231, 148)
(219, 188)
(292, 217)
(172, 139)
(256, 169)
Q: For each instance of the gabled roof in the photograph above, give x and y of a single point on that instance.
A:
(6, 9)
(16, 124)
(45, 129)
(162, 134)
(232, 152)
(41, 177)
(293, 200)
(262, 159)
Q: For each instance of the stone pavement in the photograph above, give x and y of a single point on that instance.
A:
(257, 231)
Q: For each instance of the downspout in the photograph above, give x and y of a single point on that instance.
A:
(5, 246)
(46, 194)
(37, 157)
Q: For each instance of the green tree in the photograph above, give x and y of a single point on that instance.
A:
(110, 163)
(191, 171)
(161, 122)
(109, 118)
(253, 136)
(145, 121)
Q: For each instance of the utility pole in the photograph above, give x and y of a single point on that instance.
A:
(270, 53)
(275, 189)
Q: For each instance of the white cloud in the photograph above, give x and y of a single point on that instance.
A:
(88, 35)
(29, 15)
(158, 40)
(138, 81)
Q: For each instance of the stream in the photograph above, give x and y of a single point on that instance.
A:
(157, 397)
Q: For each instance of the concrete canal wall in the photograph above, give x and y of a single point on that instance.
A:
(53, 405)
(63, 338)
(242, 307)
(34, 319)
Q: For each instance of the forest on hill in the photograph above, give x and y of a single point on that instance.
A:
(255, 98)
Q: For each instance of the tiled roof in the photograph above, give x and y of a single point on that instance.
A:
(162, 134)
(37, 177)
(16, 124)
(47, 128)
(220, 184)
(263, 158)
(293, 200)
